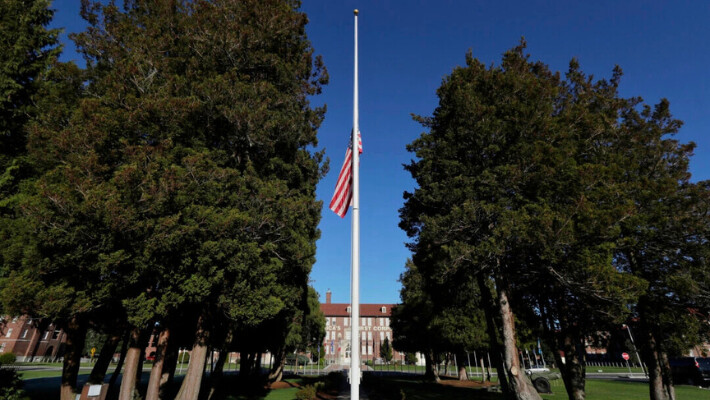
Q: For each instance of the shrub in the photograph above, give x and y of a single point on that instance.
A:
(333, 381)
(319, 386)
(184, 357)
(308, 392)
(7, 358)
(10, 385)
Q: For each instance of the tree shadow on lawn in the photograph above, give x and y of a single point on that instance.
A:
(414, 388)
(231, 387)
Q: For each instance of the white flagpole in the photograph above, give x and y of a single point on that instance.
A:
(355, 278)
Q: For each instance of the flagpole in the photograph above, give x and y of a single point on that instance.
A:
(355, 278)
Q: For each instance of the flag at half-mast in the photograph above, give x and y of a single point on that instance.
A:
(343, 196)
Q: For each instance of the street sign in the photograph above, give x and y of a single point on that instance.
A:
(625, 356)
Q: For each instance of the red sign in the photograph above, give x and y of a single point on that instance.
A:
(625, 356)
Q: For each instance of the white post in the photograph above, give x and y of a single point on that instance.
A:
(355, 278)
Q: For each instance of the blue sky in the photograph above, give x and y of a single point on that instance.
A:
(407, 47)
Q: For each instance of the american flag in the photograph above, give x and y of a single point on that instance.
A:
(342, 198)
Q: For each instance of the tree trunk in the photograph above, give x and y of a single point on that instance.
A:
(156, 373)
(121, 360)
(431, 373)
(489, 310)
(129, 378)
(257, 365)
(98, 373)
(573, 371)
(277, 368)
(75, 338)
(141, 360)
(463, 374)
(171, 360)
(660, 381)
(245, 364)
(520, 386)
(217, 374)
(190, 389)
(483, 372)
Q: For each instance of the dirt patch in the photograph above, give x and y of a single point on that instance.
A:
(282, 385)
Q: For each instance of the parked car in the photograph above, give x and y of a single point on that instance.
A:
(691, 370)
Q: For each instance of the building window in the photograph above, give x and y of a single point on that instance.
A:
(348, 335)
(364, 349)
(369, 335)
(334, 321)
(9, 332)
(29, 320)
(383, 309)
(364, 336)
(346, 320)
(46, 335)
(369, 350)
(55, 335)
(2, 347)
(327, 321)
(24, 333)
(369, 322)
(382, 336)
(14, 319)
(387, 322)
(348, 309)
(388, 336)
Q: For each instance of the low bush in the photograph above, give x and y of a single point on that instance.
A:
(7, 358)
(308, 392)
(10, 385)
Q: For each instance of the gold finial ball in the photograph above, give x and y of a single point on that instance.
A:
(356, 11)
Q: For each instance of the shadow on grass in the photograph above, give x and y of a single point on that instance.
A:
(415, 388)
(230, 387)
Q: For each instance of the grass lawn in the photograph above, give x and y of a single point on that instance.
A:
(601, 390)
(281, 394)
(41, 374)
(415, 389)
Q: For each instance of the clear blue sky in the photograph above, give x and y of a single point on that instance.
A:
(407, 47)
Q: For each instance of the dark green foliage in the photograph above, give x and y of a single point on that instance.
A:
(27, 51)
(560, 192)
(410, 358)
(11, 385)
(176, 176)
(307, 392)
(7, 358)
(386, 350)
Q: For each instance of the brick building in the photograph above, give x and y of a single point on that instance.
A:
(20, 335)
(374, 329)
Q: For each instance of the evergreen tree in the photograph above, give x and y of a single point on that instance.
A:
(665, 241)
(182, 188)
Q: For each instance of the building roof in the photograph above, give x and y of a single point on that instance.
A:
(366, 310)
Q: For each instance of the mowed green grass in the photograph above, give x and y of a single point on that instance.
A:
(280, 394)
(596, 390)
(602, 390)
(25, 375)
